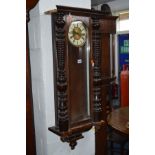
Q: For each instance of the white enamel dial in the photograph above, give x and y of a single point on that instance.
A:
(77, 34)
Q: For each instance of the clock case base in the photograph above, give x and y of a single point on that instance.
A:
(75, 133)
(72, 135)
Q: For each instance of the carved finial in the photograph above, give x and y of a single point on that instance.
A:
(73, 144)
(105, 8)
(60, 21)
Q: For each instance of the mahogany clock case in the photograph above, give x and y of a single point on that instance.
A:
(78, 72)
(77, 67)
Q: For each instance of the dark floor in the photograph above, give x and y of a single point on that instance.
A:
(117, 149)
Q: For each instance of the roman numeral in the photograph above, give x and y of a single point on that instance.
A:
(71, 37)
(82, 38)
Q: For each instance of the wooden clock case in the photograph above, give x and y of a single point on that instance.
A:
(78, 72)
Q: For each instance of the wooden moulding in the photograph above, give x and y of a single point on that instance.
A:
(74, 130)
(73, 134)
(63, 117)
(97, 89)
(80, 11)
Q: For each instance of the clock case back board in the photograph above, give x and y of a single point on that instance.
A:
(78, 99)
(77, 67)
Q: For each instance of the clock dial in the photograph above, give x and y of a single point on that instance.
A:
(77, 34)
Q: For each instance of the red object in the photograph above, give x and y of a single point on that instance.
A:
(124, 84)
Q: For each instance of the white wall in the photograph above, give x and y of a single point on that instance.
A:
(41, 58)
(46, 5)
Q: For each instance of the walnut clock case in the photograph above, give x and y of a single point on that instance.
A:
(77, 71)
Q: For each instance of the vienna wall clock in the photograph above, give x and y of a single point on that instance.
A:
(77, 54)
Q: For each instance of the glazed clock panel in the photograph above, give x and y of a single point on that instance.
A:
(78, 67)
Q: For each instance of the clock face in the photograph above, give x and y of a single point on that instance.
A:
(77, 34)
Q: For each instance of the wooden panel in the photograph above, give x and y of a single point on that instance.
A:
(105, 70)
(105, 43)
(100, 141)
(77, 83)
(77, 78)
(101, 135)
(108, 26)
